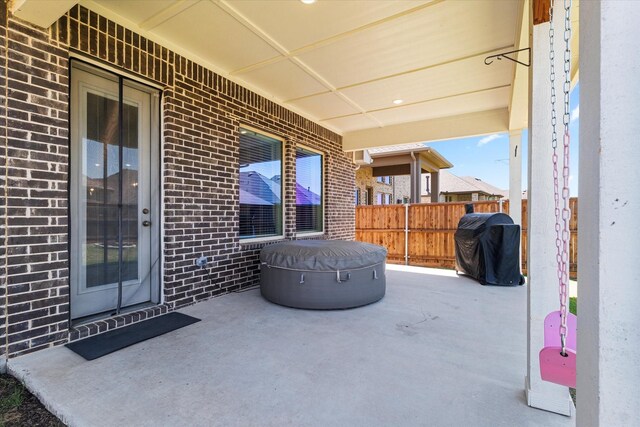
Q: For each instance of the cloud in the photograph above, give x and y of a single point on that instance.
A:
(575, 114)
(487, 139)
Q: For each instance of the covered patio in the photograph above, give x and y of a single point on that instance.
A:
(337, 79)
(437, 350)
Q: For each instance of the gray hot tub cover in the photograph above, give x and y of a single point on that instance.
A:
(322, 255)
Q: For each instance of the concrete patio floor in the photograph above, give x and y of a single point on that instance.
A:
(438, 350)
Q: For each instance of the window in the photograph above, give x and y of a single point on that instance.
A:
(357, 196)
(309, 206)
(387, 199)
(379, 199)
(368, 196)
(384, 180)
(260, 185)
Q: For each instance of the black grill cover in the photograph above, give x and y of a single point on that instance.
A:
(487, 248)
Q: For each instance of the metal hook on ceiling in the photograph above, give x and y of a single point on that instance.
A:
(489, 59)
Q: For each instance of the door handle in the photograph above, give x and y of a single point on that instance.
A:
(146, 223)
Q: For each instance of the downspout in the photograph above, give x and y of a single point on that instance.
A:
(413, 179)
(406, 207)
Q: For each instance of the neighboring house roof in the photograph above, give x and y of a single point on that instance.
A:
(257, 189)
(247, 198)
(305, 196)
(260, 186)
(430, 155)
(453, 184)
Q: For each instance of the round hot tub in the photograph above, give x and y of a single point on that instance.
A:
(323, 274)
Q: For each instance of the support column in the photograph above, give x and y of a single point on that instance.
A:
(515, 176)
(542, 280)
(416, 177)
(435, 187)
(609, 197)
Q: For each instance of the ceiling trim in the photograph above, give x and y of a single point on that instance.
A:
(335, 38)
(397, 107)
(182, 51)
(254, 28)
(451, 127)
(519, 98)
(166, 14)
(415, 70)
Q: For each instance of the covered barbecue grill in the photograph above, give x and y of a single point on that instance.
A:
(488, 249)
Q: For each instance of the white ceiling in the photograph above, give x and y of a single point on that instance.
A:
(342, 63)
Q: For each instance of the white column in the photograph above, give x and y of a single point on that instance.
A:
(435, 187)
(542, 280)
(515, 176)
(609, 220)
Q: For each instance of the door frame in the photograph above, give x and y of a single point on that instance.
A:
(156, 163)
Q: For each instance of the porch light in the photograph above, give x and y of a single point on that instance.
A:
(398, 101)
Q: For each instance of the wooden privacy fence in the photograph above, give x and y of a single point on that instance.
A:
(422, 234)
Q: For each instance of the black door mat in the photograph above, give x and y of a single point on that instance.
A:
(117, 339)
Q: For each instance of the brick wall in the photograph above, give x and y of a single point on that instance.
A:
(35, 191)
(202, 112)
(364, 179)
(3, 187)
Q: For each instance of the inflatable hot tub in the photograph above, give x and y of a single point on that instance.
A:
(323, 274)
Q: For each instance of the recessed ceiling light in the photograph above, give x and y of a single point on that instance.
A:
(308, 1)
(398, 101)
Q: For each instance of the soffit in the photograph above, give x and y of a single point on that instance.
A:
(342, 63)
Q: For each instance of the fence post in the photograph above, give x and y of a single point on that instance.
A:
(406, 234)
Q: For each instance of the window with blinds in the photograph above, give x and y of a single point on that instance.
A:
(309, 198)
(260, 185)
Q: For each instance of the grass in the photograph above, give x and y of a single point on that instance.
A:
(573, 305)
(12, 396)
(95, 254)
(19, 408)
(573, 308)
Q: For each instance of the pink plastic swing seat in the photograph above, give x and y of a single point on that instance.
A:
(552, 330)
(556, 368)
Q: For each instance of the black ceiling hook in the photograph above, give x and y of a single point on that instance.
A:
(489, 59)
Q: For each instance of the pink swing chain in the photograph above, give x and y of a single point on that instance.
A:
(563, 217)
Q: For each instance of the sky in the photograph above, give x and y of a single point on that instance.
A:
(487, 157)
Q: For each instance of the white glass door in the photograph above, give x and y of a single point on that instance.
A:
(111, 188)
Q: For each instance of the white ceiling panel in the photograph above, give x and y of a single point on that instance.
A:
(328, 18)
(351, 123)
(490, 100)
(438, 82)
(212, 34)
(137, 11)
(285, 79)
(325, 106)
(335, 59)
(443, 32)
